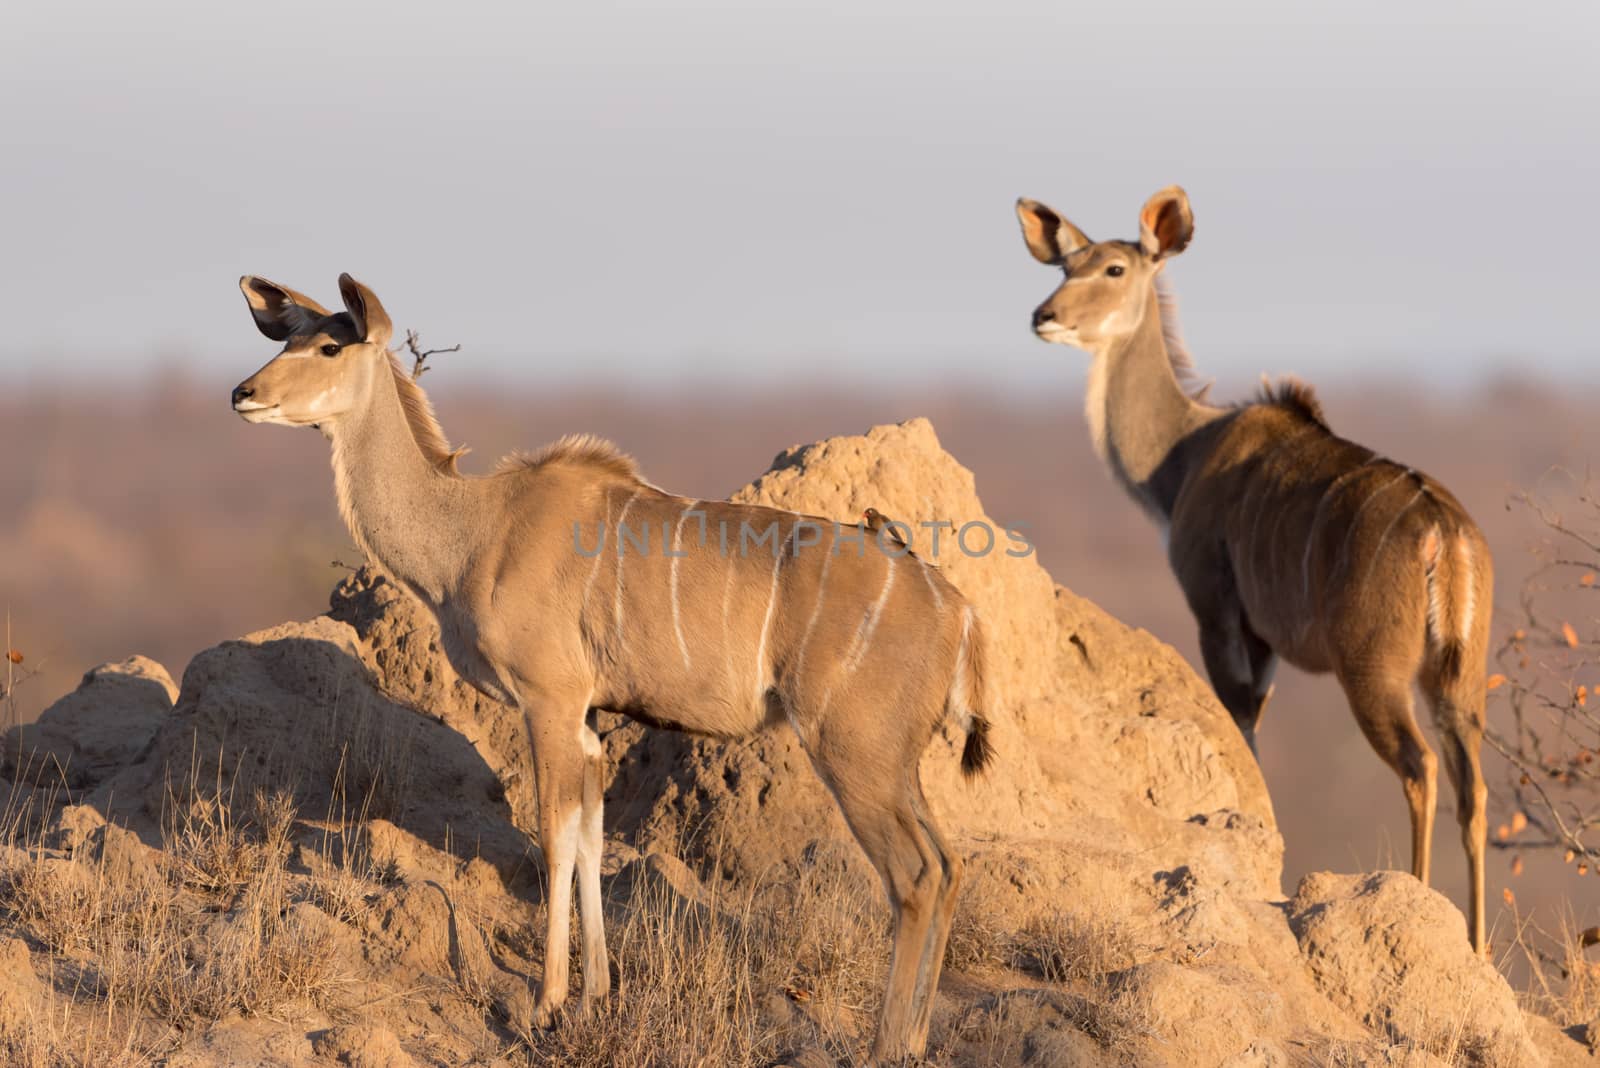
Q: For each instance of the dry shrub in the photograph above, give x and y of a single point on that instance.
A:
(1545, 692)
(831, 929)
(1563, 978)
(1345, 1053)
(345, 877)
(372, 755)
(998, 1029)
(62, 1036)
(212, 851)
(1068, 947)
(685, 994)
(1083, 956)
(143, 942)
(1064, 946)
(740, 978)
(1579, 998)
(981, 938)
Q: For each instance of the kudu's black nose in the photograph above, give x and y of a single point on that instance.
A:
(241, 393)
(1043, 315)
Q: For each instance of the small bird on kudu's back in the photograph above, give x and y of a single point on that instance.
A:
(878, 523)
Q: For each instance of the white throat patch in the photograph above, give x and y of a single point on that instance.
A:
(1094, 405)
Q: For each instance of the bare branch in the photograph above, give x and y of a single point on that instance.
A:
(419, 355)
(1549, 680)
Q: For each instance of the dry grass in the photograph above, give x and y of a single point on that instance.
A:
(140, 945)
(1081, 956)
(980, 935)
(346, 877)
(1079, 946)
(740, 978)
(143, 946)
(1563, 977)
(372, 755)
(997, 1029)
(62, 1036)
(1067, 947)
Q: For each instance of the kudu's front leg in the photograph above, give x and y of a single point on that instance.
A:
(557, 732)
(591, 845)
(1241, 667)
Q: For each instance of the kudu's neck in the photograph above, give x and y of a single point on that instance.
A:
(1140, 415)
(408, 516)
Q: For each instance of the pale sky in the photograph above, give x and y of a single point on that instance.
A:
(743, 192)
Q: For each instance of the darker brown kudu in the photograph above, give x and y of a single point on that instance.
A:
(1287, 539)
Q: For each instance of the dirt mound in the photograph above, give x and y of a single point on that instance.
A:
(1122, 903)
(100, 727)
(1411, 974)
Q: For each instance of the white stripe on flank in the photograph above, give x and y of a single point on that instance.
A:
(1355, 521)
(816, 613)
(1316, 524)
(672, 581)
(869, 625)
(1378, 549)
(927, 576)
(599, 555)
(727, 599)
(766, 627)
(1432, 567)
(616, 594)
(955, 700)
(1261, 471)
(1469, 605)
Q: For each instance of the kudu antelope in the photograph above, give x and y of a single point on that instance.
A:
(563, 582)
(1287, 539)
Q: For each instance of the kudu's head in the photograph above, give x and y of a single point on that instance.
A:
(330, 360)
(1109, 285)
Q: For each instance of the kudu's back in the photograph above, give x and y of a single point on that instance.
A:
(718, 618)
(1343, 558)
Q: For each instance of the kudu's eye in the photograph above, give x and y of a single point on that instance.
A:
(330, 349)
(1115, 270)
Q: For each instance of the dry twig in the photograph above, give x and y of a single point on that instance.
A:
(419, 355)
(1549, 671)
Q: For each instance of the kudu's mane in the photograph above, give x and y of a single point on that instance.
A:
(425, 428)
(578, 449)
(1294, 395)
(584, 450)
(1172, 333)
(1289, 393)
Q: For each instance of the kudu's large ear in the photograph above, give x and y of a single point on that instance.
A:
(1050, 237)
(372, 322)
(279, 311)
(1165, 223)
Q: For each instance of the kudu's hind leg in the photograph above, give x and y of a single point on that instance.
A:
(944, 912)
(1382, 706)
(1461, 738)
(920, 880)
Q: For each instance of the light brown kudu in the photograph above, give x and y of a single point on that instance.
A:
(563, 582)
(1287, 539)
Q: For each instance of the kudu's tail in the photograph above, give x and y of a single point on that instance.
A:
(1455, 614)
(965, 701)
